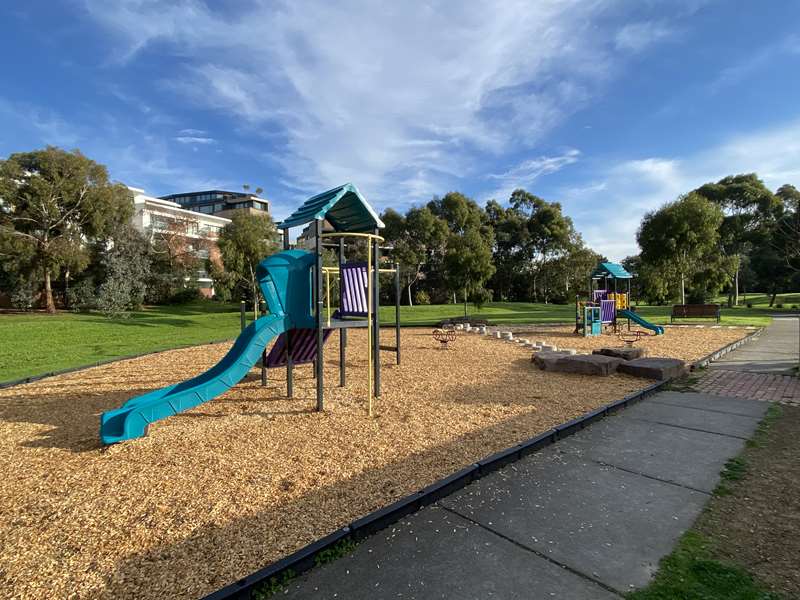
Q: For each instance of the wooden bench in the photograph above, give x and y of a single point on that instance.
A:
(695, 311)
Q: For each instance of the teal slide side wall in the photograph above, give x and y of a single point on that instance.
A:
(658, 329)
(285, 281)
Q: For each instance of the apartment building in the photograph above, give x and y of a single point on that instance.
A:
(220, 202)
(157, 216)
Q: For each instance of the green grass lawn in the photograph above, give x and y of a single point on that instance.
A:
(510, 313)
(35, 343)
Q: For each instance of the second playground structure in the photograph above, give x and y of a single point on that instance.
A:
(607, 302)
(295, 286)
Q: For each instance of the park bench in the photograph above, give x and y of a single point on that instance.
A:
(695, 311)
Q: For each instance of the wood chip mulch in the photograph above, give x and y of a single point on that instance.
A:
(217, 492)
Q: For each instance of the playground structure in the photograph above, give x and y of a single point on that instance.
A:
(607, 303)
(296, 287)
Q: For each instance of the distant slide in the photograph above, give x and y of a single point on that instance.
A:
(133, 417)
(658, 329)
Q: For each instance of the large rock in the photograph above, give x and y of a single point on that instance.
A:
(588, 364)
(654, 368)
(626, 353)
(547, 360)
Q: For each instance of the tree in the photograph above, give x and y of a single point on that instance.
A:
(748, 206)
(467, 258)
(54, 201)
(127, 269)
(418, 239)
(786, 238)
(243, 243)
(676, 238)
(180, 249)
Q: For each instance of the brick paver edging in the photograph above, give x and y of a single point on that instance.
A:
(703, 362)
(304, 559)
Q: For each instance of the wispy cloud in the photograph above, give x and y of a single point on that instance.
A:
(187, 139)
(739, 71)
(636, 37)
(528, 171)
(403, 99)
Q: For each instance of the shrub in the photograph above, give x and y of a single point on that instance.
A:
(186, 295)
(480, 297)
(422, 297)
(114, 298)
(23, 296)
(749, 305)
(779, 305)
(82, 296)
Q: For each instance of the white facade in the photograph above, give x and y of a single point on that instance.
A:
(152, 215)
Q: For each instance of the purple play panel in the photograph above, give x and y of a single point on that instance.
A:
(354, 290)
(598, 295)
(304, 347)
(608, 311)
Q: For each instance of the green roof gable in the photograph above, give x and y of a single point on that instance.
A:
(610, 270)
(344, 207)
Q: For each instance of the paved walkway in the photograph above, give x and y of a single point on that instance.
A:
(774, 351)
(587, 518)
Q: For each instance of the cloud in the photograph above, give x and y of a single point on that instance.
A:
(790, 45)
(47, 125)
(608, 209)
(635, 37)
(190, 132)
(186, 139)
(528, 171)
(404, 100)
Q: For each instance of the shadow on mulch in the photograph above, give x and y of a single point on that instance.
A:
(755, 523)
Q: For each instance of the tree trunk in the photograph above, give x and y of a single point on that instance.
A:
(410, 303)
(50, 306)
(736, 288)
(683, 289)
(465, 303)
(773, 295)
(66, 288)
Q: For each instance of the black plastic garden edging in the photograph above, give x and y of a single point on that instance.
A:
(703, 362)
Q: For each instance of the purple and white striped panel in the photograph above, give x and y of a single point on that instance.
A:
(354, 290)
(598, 295)
(608, 310)
(304, 347)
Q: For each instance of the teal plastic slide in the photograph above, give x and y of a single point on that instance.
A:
(658, 329)
(285, 281)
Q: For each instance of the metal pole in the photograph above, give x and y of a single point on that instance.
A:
(369, 327)
(242, 317)
(342, 331)
(376, 330)
(289, 365)
(319, 366)
(397, 310)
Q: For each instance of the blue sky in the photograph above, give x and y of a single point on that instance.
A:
(610, 108)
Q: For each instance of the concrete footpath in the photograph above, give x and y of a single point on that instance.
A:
(774, 351)
(588, 517)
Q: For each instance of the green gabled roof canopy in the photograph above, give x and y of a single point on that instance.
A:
(610, 270)
(344, 207)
